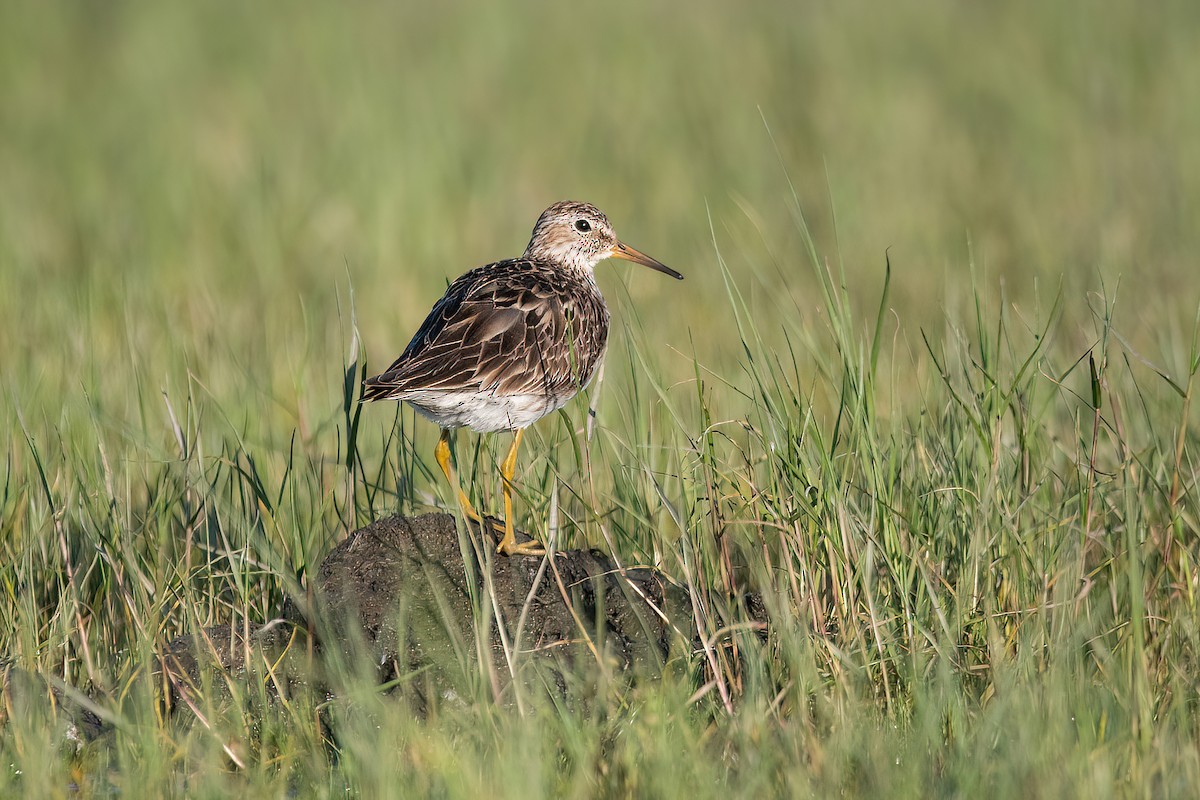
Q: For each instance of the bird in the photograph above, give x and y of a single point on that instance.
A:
(512, 341)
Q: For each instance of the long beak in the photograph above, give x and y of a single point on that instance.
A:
(624, 251)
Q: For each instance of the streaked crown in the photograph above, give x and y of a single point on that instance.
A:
(572, 234)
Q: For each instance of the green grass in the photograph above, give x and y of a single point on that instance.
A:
(966, 485)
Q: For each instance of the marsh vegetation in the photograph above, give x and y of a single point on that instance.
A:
(928, 386)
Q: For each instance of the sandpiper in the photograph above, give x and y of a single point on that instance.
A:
(511, 342)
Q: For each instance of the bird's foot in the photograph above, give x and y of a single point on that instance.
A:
(512, 547)
(508, 544)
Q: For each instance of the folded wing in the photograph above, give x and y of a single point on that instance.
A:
(508, 329)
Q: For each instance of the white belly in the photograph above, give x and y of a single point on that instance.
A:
(484, 412)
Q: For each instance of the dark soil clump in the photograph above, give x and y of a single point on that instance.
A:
(409, 591)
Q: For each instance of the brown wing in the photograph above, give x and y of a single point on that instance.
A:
(515, 327)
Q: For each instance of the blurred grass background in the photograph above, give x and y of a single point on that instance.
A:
(200, 202)
(229, 168)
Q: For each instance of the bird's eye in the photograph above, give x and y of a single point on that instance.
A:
(582, 225)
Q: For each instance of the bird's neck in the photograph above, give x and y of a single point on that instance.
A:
(563, 257)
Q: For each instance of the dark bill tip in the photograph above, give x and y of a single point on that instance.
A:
(624, 251)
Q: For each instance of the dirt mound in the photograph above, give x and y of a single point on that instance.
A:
(415, 592)
(416, 596)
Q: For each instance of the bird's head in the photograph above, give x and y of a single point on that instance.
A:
(580, 236)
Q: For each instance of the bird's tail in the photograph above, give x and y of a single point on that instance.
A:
(378, 388)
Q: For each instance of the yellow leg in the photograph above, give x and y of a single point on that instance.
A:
(442, 454)
(508, 545)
